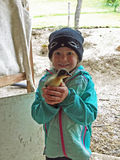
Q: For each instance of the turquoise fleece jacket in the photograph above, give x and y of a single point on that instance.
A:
(68, 127)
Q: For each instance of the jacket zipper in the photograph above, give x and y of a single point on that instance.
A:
(61, 132)
(84, 136)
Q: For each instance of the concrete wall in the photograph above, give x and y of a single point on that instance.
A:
(21, 138)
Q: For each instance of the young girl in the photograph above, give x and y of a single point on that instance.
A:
(68, 126)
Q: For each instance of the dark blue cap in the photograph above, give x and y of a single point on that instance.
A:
(66, 37)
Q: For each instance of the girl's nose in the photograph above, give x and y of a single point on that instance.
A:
(64, 57)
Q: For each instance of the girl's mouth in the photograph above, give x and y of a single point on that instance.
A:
(63, 65)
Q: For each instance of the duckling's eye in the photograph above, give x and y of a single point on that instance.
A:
(69, 53)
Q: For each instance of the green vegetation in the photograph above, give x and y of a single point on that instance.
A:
(113, 3)
(46, 13)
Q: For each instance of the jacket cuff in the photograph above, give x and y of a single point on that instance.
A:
(69, 99)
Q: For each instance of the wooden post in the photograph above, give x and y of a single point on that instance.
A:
(68, 14)
(77, 14)
(32, 69)
(31, 61)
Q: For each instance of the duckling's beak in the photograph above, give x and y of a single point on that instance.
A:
(69, 75)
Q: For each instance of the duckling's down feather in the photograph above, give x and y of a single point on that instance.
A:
(56, 79)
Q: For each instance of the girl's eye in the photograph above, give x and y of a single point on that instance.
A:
(57, 53)
(69, 53)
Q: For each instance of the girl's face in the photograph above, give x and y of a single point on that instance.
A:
(64, 57)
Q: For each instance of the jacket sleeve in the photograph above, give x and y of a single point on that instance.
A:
(42, 112)
(81, 109)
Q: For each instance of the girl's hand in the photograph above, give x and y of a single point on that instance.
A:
(55, 95)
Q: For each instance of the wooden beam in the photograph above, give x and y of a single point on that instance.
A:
(8, 80)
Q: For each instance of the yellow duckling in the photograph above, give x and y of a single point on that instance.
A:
(57, 79)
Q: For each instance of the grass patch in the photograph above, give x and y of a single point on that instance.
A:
(65, 14)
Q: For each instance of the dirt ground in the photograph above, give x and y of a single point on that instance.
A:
(102, 60)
